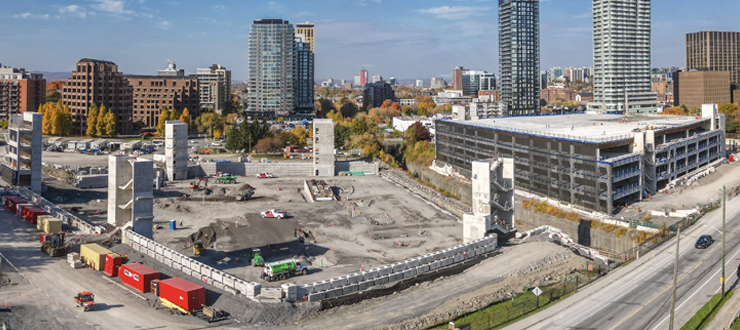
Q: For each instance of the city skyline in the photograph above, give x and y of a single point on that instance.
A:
(427, 38)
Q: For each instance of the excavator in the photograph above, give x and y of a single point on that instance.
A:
(54, 246)
(196, 185)
(86, 300)
(198, 248)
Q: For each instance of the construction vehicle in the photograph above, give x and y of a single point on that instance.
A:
(257, 259)
(86, 300)
(198, 248)
(54, 246)
(226, 179)
(196, 185)
(281, 270)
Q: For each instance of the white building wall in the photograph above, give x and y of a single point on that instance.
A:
(323, 147)
(176, 150)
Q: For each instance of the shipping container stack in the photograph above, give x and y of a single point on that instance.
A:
(188, 296)
(138, 276)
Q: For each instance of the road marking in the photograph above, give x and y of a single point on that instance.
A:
(679, 280)
(697, 291)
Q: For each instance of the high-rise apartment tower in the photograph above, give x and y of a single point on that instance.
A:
(519, 55)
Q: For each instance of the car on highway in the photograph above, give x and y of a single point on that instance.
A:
(264, 175)
(704, 242)
(273, 214)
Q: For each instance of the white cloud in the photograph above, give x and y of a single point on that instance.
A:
(31, 16)
(164, 25)
(76, 10)
(303, 13)
(219, 7)
(273, 5)
(455, 12)
(69, 9)
(111, 6)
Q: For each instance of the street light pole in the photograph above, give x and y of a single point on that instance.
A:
(724, 201)
(675, 277)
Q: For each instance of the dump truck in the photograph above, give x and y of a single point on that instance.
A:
(226, 179)
(198, 248)
(86, 300)
(54, 245)
(283, 269)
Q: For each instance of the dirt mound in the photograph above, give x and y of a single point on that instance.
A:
(208, 235)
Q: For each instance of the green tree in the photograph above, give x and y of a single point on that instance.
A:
(174, 115)
(341, 135)
(185, 118)
(732, 126)
(110, 124)
(349, 109)
(280, 120)
(728, 109)
(92, 118)
(66, 120)
(301, 136)
(163, 115)
(210, 122)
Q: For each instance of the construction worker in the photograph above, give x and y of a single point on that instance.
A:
(180, 223)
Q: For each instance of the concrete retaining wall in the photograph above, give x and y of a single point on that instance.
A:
(581, 232)
(454, 186)
(356, 165)
(92, 181)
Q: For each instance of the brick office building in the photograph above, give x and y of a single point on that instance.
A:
(98, 82)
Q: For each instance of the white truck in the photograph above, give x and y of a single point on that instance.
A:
(281, 270)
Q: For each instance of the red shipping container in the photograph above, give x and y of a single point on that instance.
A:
(113, 262)
(31, 214)
(12, 201)
(138, 276)
(19, 209)
(182, 293)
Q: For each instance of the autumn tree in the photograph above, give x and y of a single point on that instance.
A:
(673, 111)
(174, 115)
(268, 144)
(163, 115)
(100, 121)
(349, 109)
(419, 131)
(66, 120)
(301, 136)
(210, 122)
(48, 118)
(92, 119)
(110, 124)
(185, 117)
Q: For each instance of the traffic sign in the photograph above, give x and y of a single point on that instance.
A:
(537, 291)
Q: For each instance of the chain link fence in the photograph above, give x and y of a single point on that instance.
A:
(514, 308)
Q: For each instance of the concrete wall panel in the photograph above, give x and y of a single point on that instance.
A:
(381, 280)
(350, 289)
(334, 293)
(317, 296)
(366, 285)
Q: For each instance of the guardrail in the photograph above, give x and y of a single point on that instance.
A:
(56, 211)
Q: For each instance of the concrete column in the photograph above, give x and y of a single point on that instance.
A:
(323, 147)
(572, 178)
(176, 150)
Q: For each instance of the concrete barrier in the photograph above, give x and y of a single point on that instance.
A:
(409, 273)
(338, 282)
(398, 267)
(350, 289)
(317, 296)
(385, 270)
(366, 285)
(370, 274)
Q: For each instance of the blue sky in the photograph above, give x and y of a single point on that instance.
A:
(401, 38)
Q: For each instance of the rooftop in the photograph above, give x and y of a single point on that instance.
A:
(593, 128)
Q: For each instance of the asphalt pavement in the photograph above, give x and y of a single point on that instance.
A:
(638, 295)
(59, 283)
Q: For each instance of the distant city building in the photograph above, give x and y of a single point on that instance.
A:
(419, 83)
(98, 82)
(363, 77)
(552, 94)
(451, 97)
(214, 87)
(357, 81)
(438, 83)
(377, 78)
(20, 91)
(171, 70)
(403, 123)
(477, 80)
(306, 29)
(304, 77)
(151, 93)
(348, 85)
(544, 78)
(584, 97)
(457, 78)
(519, 55)
(271, 67)
(621, 34)
(406, 102)
(556, 72)
(392, 81)
(491, 95)
(377, 93)
(701, 87)
(714, 51)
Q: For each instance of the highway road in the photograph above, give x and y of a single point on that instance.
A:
(638, 295)
(117, 307)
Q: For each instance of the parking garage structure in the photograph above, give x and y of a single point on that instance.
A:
(593, 161)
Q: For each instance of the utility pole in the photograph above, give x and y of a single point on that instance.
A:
(724, 201)
(675, 277)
